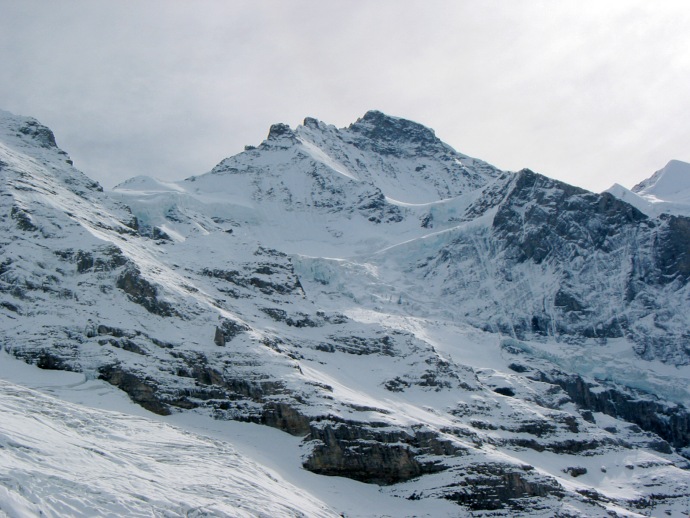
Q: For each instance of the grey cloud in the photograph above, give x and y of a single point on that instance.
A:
(589, 93)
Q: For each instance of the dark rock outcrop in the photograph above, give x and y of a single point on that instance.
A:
(142, 292)
(673, 252)
(38, 132)
(494, 486)
(228, 330)
(384, 134)
(285, 417)
(667, 420)
(372, 453)
(139, 387)
(543, 218)
(23, 219)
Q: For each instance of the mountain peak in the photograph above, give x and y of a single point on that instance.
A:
(671, 183)
(27, 128)
(311, 122)
(399, 158)
(25, 139)
(376, 115)
(280, 130)
(280, 136)
(378, 126)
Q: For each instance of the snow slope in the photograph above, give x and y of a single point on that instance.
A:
(672, 184)
(317, 189)
(666, 191)
(60, 459)
(250, 478)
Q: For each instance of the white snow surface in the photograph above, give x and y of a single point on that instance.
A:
(666, 191)
(672, 183)
(60, 429)
(59, 459)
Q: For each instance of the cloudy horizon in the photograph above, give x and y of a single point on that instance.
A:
(592, 93)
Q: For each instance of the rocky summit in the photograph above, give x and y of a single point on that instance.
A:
(469, 341)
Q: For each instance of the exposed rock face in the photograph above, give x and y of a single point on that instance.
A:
(286, 418)
(58, 357)
(219, 338)
(143, 293)
(493, 487)
(383, 134)
(570, 264)
(40, 133)
(674, 249)
(273, 274)
(372, 452)
(137, 387)
(670, 422)
(23, 219)
(560, 220)
(228, 330)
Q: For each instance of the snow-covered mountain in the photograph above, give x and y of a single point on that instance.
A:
(318, 188)
(418, 319)
(667, 191)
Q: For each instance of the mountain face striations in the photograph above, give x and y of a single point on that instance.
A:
(416, 318)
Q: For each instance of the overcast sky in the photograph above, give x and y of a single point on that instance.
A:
(590, 92)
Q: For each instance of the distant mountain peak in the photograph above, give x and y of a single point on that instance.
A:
(678, 163)
(667, 191)
(673, 172)
(25, 140)
(670, 184)
(393, 159)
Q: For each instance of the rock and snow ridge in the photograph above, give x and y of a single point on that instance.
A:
(417, 318)
(666, 191)
(672, 183)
